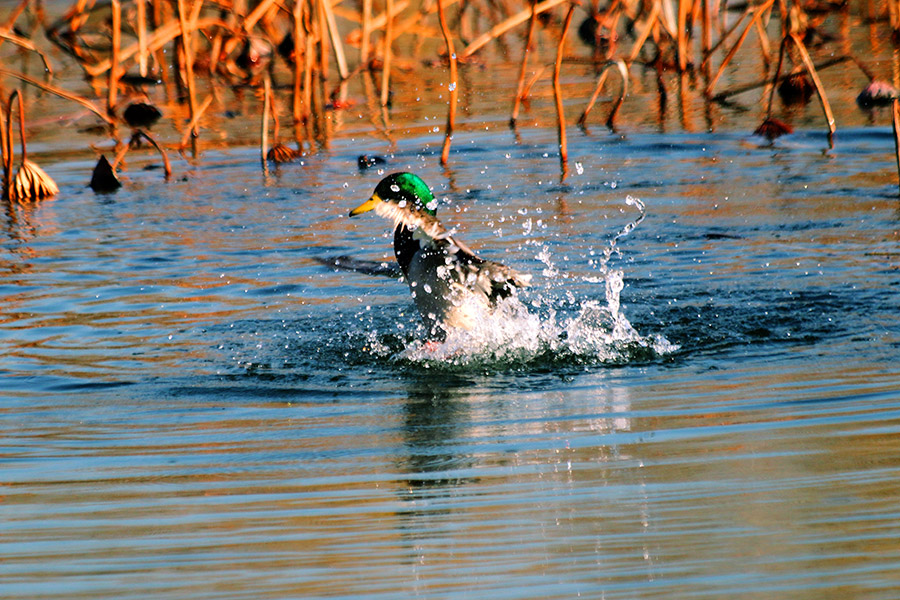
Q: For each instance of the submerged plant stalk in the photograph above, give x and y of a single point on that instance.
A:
(557, 90)
(520, 87)
(451, 109)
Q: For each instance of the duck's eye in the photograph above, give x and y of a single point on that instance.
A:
(395, 188)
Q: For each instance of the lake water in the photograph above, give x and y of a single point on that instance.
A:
(707, 406)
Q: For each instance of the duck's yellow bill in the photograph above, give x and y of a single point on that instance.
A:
(366, 206)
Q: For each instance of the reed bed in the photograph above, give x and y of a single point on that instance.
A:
(293, 53)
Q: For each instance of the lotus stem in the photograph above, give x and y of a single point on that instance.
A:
(451, 109)
(366, 33)
(520, 87)
(264, 137)
(142, 36)
(895, 118)
(61, 93)
(386, 68)
(187, 47)
(557, 90)
(623, 72)
(113, 81)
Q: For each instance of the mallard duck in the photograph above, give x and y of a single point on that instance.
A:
(449, 283)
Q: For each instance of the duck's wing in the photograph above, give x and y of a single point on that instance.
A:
(492, 279)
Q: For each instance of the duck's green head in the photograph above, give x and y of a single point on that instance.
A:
(405, 190)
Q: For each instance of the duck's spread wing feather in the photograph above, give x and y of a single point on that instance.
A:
(453, 260)
(462, 266)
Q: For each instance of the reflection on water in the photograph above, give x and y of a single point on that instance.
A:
(192, 405)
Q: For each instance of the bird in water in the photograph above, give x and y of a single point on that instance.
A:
(450, 285)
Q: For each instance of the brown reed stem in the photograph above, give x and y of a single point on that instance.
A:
(195, 121)
(113, 81)
(895, 119)
(22, 42)
(771, 99)
(335, 37)
(59, 92)
(557, 90)
(501, 28)
(187, 47)
(724, 95)
(264, 137)
(142, 36)
(648, 29)
(451, 109)
(757, 13)
(297, 14)
(684, 8)
(520, 87)
(366, 33)
(386, 68)
(820, 89)
(623, 72)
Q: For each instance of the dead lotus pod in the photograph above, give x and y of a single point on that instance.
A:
(31, 183)
(280, 153)
(773, 128)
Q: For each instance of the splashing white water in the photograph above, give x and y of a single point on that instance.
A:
(511, 333)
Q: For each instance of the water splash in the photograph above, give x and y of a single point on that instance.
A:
(512, 334)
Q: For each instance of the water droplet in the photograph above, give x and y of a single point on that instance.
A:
(452, 86)
(579, 168)
(395, 187)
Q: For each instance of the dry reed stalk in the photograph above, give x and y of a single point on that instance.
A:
(159, 38)
(23, 43)
(297, 15)
(195, 122)
(366, 33)
(13, 17)
(517, 101)
(895, 119)
(307, 63)
(724, 95)
(113, 80)
(757, 13)
(684, 8)
(5, 152)
(256, 14)
(557, 89)
(386, 69)
(61, 93)
(264, 137)
(378, 21)
(501, 28)
(142, 36)
(321, 29)
(451, 109)
(335, 37)
(705, 30)
(771, 97)
(727, 33)
(140, 133)
(820, 89)
(642, 38)
(187, 47)
(534, 79)
(623, 72)
(764, 48)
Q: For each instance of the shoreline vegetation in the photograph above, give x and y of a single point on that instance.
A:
(297, 58)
